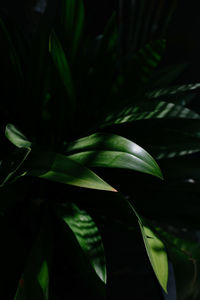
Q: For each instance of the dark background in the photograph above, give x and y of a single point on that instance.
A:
(183, 45)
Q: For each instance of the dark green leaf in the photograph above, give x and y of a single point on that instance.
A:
(88, 237)
(16, 137)
(185, 256)
(59, 168)
(157, 254)
(72, 19)
(34, 282)
(107, 150)
(150, 110)
(62, 66)
(155, 250)
(11, 165)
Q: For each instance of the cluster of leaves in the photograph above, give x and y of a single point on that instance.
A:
(82, 102)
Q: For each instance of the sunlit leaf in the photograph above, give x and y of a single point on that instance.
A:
(174, 90)
(155, 249)
(59, 168)
(108, 150)
(88, 237)
(157, 254)
(184, 253)
(17, 137)
(150, 110)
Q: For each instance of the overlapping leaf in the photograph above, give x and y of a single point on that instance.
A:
(107, 150)
(16, 137)
(156, 251)
(174, 90)
(72, 20)
(59, 168)
(88, 237)
(185, 257)
(157, 255)
(150, 110)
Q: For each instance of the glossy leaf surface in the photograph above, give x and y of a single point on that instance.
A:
(17, 137)
(150, 110)
(184, 252)
(88, 237)
(107, 150)
(157, 255)
(59, 168)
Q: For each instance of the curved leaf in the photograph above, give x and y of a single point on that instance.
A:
(155, 250)
(157, 254)
(16, 137)
(88, 237)
(109, 150)
(59, 168)
(184, 252)
(150, 110)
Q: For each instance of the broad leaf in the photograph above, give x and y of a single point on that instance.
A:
(157, 254)
(163, 138)
(59, 168)
(107, 150)
(88, 237)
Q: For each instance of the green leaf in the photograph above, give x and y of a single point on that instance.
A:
(88, 237)
(16, 137)
(155, 249)
(80, 248)
(11, 166)
(149, 110)
(174, 90)
(109, 150)
(59, 168)
(184, 253)
(34, 282)
(157, 254)
(72, 19)
(62, 65)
